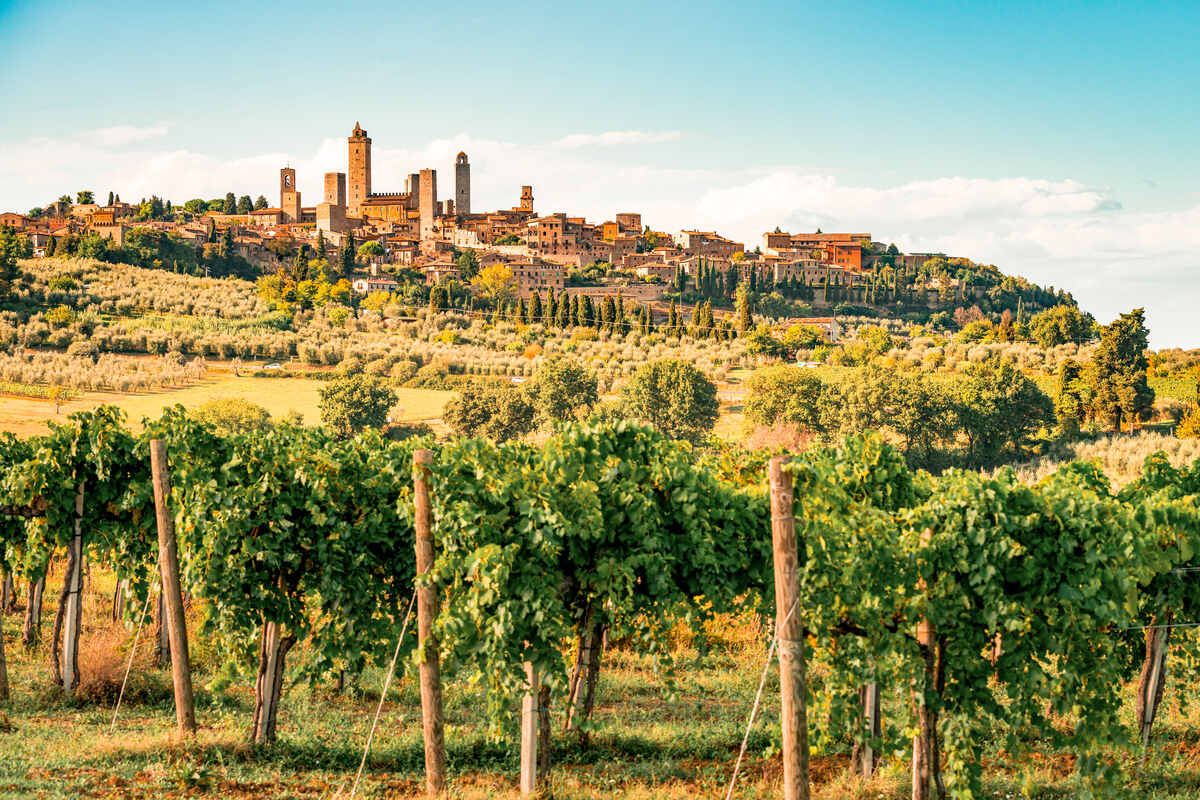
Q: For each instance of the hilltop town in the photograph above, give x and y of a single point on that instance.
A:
(398, 238)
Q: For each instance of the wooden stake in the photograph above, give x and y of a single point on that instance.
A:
(1153, 677)
(427, 610)
(529, 734)
(69, 666)
(789, 628)
(870, 758)
(168, 560)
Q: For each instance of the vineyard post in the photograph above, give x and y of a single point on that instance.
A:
(874, 727)
(427, 610)
(69, 666)
(529, 733)
(790, 633)
(923, 765)
(181, 674)
(1150, 685)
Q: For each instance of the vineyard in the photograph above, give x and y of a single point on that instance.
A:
(934, 616)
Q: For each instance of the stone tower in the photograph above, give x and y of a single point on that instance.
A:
(289, 195)
(462, 185)
(527, 199)
(428, 201)
(360, 171)
(335, 188)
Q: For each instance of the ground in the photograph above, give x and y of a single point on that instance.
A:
(653, 739)
(27, 416)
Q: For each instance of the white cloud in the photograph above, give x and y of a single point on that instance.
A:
(126, 134)
(1062, 233)
(611, 138)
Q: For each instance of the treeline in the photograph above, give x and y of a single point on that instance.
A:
(149, 248)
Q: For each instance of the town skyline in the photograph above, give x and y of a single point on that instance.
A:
(1036, 159)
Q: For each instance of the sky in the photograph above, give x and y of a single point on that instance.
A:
(1056, 140)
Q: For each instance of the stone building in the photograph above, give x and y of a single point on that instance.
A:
(427, 202)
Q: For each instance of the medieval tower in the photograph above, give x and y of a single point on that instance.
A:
(360, 171)
(428, 201)
(527, 199)
(289, 195)
(462, 185)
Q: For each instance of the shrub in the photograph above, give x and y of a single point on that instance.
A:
(674, 397)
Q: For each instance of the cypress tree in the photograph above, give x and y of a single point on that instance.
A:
(535, 308)
(608, 313)
(564, 317)
(573, 317)
(51, 246)
(522, 311)
(110, 198)
(672, 320)
(743, 310)
(321, 245)
(588, 312)
(551, 309)
(619, 314)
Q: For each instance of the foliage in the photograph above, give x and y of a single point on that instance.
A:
(561, 390)
(232, 415)
(353, 403)
(495, 412)
(674, 397)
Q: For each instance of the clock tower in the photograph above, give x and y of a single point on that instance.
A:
(289, 195)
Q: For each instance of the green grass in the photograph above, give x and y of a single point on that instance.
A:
(1180, 388)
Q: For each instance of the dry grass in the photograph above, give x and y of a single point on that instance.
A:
(1120, 456)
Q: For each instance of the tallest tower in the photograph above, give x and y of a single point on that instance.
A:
(359, 188)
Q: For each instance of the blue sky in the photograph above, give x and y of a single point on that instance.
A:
(1055, 140)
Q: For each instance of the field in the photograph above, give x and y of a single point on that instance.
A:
(27, 416)
(652, 740)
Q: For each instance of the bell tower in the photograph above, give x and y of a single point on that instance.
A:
(289, 195)
(359, 183)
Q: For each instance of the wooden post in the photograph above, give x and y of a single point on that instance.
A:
(427, 609)
(529, 733)
(870, 758)
(789, 628)
(181, 673)
(923, 741)
(1153, 676)
(69, 666)
(33, 612)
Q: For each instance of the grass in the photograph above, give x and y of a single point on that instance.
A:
(650, 741)
(28, 416)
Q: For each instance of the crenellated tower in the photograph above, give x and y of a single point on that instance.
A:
(359, 188)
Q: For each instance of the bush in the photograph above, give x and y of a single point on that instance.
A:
(233, 415)
(352, 403)
(674, 397)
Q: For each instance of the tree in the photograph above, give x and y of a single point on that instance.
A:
(1070, 404)
(494, 412)
(998, 409)
(260, 203)
(244, 204)
(674, 397)
(496, 283)
(562, 388)
(11, 248)
(110, 198)
(230, 204)
(468, 264)
(785, 395)
(1117, 373)
(536, 310)
(232, 416)
(742, 309)
(196, 207)
(84, 197)
(352, 403)
(1060, 325)
(371, 249)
